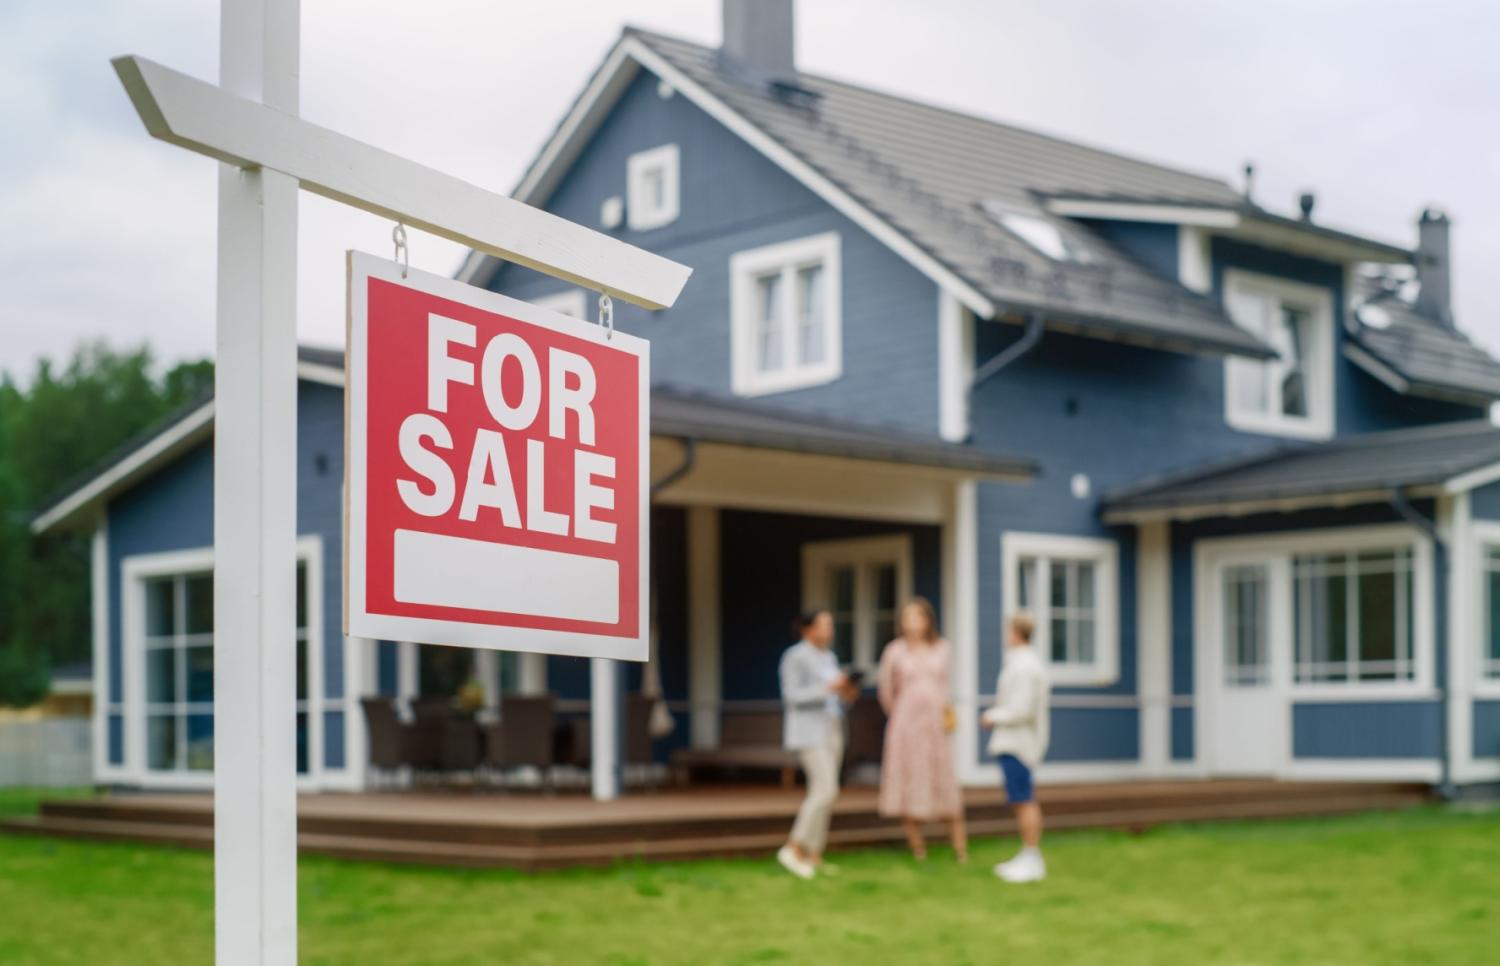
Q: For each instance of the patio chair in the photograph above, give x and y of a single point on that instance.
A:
(429, 733)
(390, 737)
(866, 739)
(525, 735)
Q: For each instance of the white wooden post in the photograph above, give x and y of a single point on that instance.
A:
(1153, 642)
(255, 489)
(604, 728)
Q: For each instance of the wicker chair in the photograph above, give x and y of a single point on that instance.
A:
(525, 735)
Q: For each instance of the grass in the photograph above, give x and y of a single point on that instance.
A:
(1418, 886)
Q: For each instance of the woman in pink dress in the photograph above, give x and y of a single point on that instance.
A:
(918, 782)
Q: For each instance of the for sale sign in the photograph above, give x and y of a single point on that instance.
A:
(496, 461)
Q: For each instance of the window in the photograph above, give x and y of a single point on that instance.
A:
(863, 583)
(1069, 585)
(571, 303)
(176, 635)
(1352, 616)
(785, 315)
(1291, 395)
(1247, 625)
(180, 673)
(1489, 662)
(651, 183)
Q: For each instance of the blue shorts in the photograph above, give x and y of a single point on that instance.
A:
(1018, 788)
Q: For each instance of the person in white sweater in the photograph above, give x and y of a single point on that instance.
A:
(1019, 723)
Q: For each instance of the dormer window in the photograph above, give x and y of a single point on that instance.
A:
(651, 190)
(1291, 395)
(785, 315)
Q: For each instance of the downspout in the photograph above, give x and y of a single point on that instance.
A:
(689, 459)
(1010, 353)
(1409, 513)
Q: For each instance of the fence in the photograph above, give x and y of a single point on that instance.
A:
(46, 752)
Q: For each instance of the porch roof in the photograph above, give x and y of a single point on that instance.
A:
(675, 414)
(1447, 457)
(706, 418)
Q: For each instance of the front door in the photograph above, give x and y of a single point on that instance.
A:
(863, 583)
(1248, 714)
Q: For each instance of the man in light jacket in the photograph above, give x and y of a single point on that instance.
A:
(1019, 740)
(812, 691)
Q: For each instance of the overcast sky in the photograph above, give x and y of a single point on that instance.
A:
(1380, 107)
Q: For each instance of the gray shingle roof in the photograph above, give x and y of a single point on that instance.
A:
(928, 172)
(1433, 358)
(1368, 463)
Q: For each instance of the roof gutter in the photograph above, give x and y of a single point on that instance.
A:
(1409, 513)
(1010, 353)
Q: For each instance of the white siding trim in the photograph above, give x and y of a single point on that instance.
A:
(1153, 583)
(158, 447)
(1363, 769)
(704, 626)
(99, 585)
(955, 366)
(1186, 216)
(1194, 263)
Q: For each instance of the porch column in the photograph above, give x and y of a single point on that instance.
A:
(1153, 642)
(704, 657)
(960, 545)
(604, 727)
(532, 673)
(361, 680)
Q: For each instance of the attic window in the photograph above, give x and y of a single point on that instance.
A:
(1039, 233)
(651, 197)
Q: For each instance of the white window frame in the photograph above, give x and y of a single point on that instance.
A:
(1319, 367)
(640, 212)
(1487, 671)
(1280, 549)
(572, 303)
(1104, 554)
(135, 571)
(785, 258)
(860, 553)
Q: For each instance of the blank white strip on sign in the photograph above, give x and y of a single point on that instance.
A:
(444, 571)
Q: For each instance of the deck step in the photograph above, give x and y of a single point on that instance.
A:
(355, 842)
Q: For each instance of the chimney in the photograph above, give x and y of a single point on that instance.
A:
(758, 39)
(1434, 298)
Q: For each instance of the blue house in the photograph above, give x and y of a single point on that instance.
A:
(1238, 464)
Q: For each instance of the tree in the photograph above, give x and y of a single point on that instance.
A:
(56, 428)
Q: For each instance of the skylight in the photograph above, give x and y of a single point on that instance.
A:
(1039, 233)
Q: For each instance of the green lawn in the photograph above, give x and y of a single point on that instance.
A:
(1420, 886)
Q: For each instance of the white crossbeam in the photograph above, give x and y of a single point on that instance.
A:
(201, 117)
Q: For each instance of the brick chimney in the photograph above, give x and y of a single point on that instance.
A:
(758, 39)
(1434, 271)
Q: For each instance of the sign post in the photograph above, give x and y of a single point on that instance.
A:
(250, 124)
(255, 502)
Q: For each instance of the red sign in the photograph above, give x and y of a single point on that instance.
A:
(496, 471)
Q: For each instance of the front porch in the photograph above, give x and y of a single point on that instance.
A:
(754, 518)
(535, 831)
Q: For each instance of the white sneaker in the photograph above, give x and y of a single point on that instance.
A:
(794, 865)
(1023, 868)
(1001, 867)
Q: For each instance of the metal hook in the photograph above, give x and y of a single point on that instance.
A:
(402, 255)
(607, 315)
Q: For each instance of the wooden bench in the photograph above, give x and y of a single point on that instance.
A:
(748, 741)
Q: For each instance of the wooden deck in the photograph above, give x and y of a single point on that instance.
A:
(537, 831)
